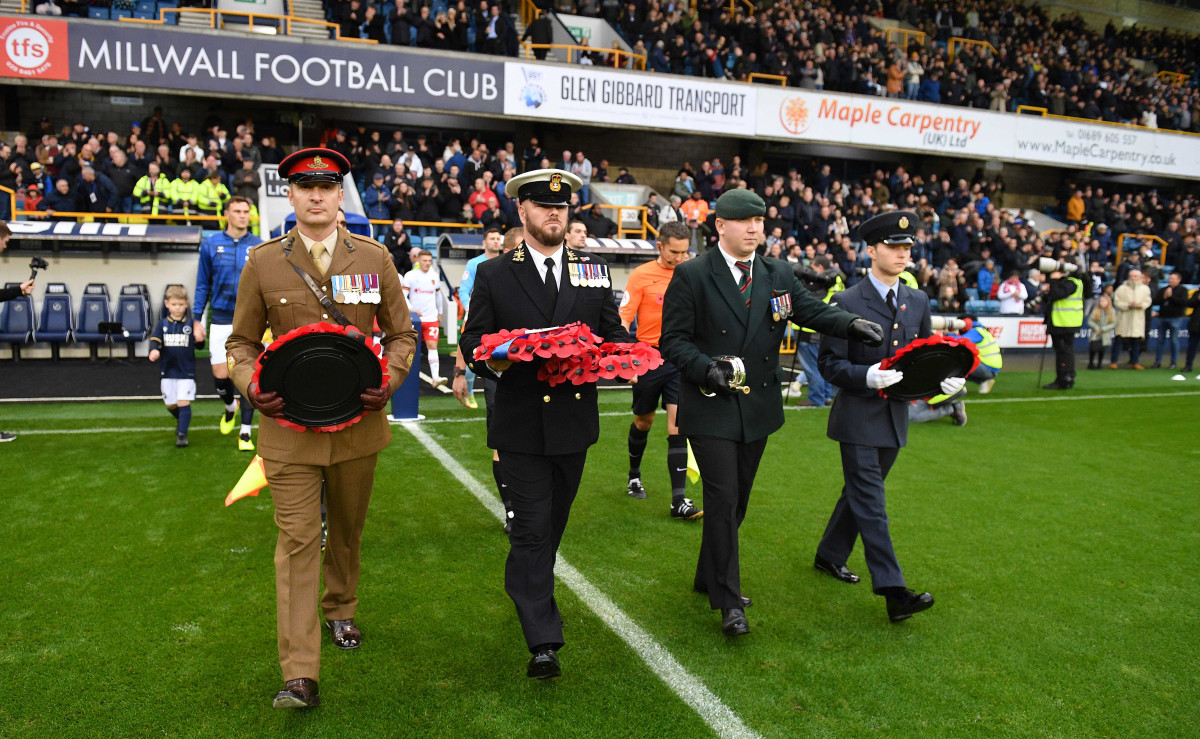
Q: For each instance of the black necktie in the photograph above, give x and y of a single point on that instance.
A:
(891, 301)
(551, 283)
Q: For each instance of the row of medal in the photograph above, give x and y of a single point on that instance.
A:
(589, 275)
(781, 306)
(355, 288)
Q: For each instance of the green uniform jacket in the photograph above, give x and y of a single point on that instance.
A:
(705, 316)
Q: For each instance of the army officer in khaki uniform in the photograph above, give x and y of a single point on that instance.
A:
(272, 292)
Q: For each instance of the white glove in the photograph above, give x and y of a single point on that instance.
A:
(878, 379)
(952, 385)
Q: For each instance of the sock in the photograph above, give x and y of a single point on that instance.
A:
(677, 465)
(637, 447)
(500, 486)
(225, 390)
(245, 430)
(247, 416)
(173, 411)
(434, 370)
(185, 418)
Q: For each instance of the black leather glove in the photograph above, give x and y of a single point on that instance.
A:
(717, 377)
(867, 332)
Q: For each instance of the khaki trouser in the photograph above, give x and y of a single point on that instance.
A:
(296, 491)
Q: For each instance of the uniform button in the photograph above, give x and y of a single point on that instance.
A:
(577, 396)
(764, 384)
(723, 332)
(324, 315)
(324, 289)
(766, 359)
(895, 343)
(545, 398)
(895, 325)
(283, 300)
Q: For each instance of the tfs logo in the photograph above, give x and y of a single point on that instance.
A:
(33, 49)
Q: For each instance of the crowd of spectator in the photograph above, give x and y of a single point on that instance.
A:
(969, 246)
(1060, 65)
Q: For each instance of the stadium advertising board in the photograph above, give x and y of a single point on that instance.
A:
(141, 56)
(615, 98)
(889, 123)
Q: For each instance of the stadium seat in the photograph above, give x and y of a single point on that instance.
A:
(991, 306)
(98, 14)
(94, 309)
(119, 13)
(972, 293)
(133, 312)
(56, 325)
(145, 15)
(16, 322)
(145, 6)
(975, 306)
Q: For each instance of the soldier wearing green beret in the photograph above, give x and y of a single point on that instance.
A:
(724, 317)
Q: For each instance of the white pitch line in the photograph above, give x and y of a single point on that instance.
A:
(688, 687)
(165, 427)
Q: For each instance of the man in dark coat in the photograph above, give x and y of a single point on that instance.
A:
(725, 311)
(542, 433)
(870, 427)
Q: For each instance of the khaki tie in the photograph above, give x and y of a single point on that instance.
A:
(320, 256)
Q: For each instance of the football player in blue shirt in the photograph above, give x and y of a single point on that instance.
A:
(174, 347)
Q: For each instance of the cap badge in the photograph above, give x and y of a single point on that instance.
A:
(555, 182)
(903, 222)
(318, 163)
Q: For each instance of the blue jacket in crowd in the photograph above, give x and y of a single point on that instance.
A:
(221, 261)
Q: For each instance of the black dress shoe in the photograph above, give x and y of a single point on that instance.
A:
(900, 607)
(345, 634)
(733, 622)
(838, 571)
(543, 664)
(298, 693)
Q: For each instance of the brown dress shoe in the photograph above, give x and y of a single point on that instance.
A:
(345, 634)
(1113, 366)
(298, 693)
(1137, 367)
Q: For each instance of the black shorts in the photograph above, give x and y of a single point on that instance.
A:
(657, 383)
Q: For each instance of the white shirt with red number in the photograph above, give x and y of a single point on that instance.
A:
(422, 289)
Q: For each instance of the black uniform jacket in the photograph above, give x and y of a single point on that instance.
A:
(529, 416)
(704, 316)
(861, 415)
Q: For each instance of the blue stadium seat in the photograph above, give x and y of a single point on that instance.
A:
(94, 309)
(429, 243)
(975, 306)
(57, 322)
(133, 311)
(145, 6)
(972, 293)
(119, 13)
(16, 322)
(99, 14)
(145, 15)
(991, 306)
(170, 19)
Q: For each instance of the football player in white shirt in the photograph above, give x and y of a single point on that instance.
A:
(423, 290)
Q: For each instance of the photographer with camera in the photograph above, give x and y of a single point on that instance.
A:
(1063, 295)
(12, 293)
(822, 279)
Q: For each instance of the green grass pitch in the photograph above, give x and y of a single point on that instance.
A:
(1061, 541)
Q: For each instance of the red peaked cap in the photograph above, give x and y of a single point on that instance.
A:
(314, 165)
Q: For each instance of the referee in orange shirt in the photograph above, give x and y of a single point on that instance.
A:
(643, 302)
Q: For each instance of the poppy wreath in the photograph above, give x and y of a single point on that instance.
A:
(321, 328)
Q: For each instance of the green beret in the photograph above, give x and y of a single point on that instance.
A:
(735, 205)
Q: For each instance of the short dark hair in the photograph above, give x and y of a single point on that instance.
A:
(490, 229)
(673, 230)
(237, 199)
(573, 221)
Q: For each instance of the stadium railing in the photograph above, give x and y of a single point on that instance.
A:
(905, 34)
(277, 23)
(959, 41)
(574, 50)
(624, 232)
(1162, 245)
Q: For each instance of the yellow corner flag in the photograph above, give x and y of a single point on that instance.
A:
(693, 469)
(253, 480)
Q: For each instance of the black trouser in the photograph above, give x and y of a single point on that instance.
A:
(862, 511)
(541, 490)
(727, 469)
(1064, 357)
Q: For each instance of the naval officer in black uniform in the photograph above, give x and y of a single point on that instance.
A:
(870, 427)
(542, 433)
(733, 302)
